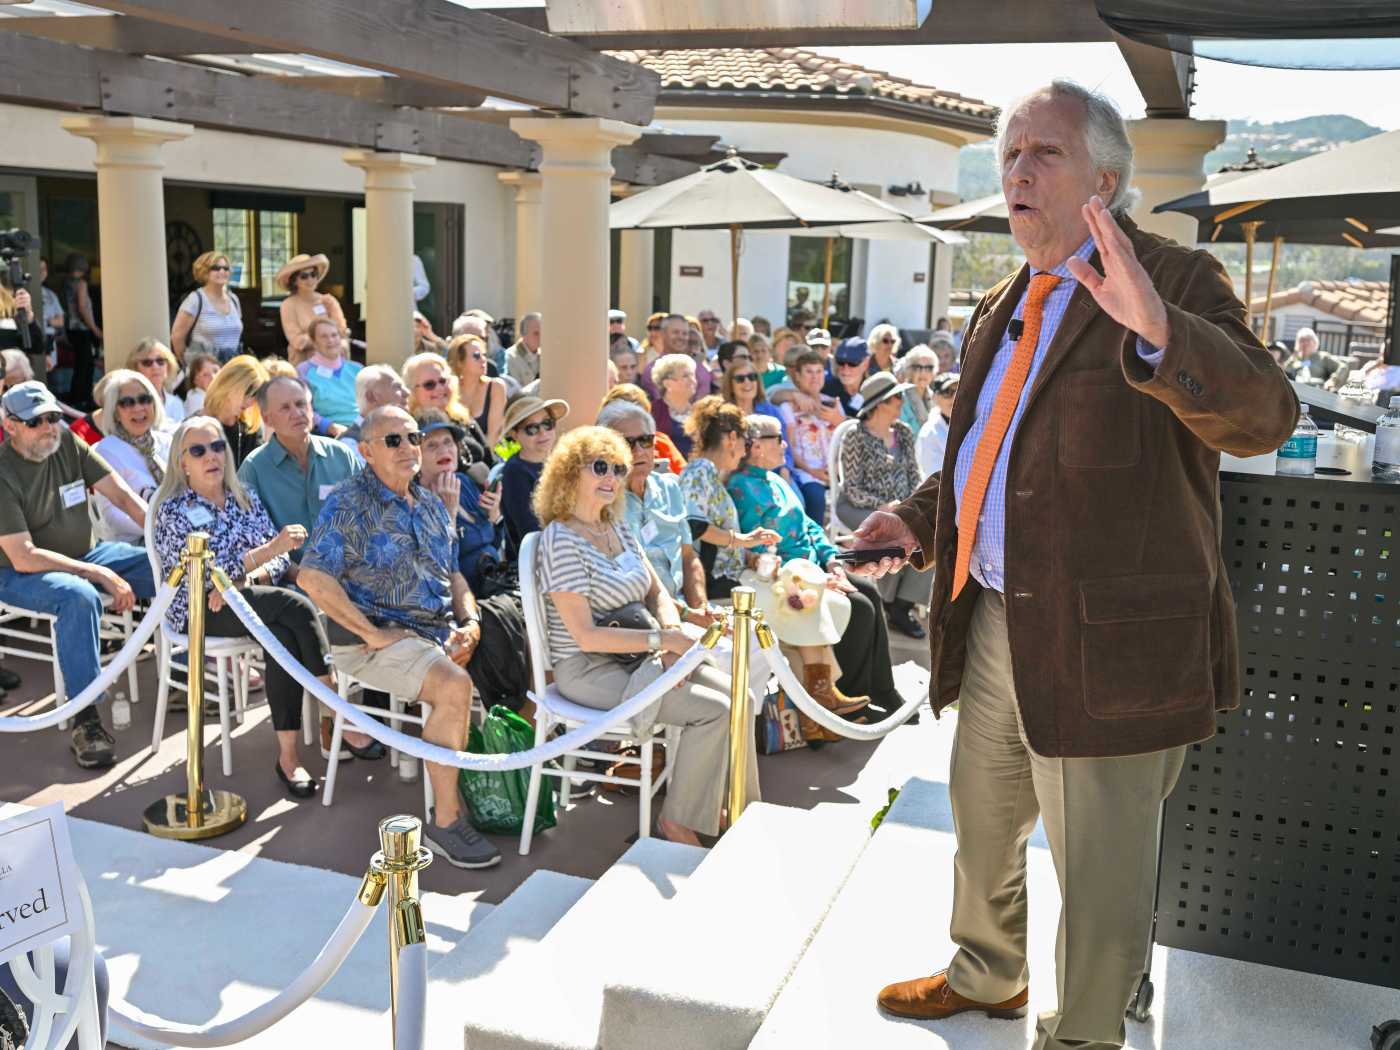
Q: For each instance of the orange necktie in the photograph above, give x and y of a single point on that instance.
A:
(985, 458)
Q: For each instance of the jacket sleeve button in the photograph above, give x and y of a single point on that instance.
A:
(1024, 493)
(1021, 595)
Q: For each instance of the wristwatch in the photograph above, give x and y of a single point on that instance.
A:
(653, 640)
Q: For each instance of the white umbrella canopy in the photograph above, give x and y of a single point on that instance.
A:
(983, 215)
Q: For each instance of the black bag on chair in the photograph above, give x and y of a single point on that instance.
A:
(633, 616)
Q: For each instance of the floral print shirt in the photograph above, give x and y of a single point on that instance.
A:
(767, 501)
(233, 532)
(873, 475)
(705, 497)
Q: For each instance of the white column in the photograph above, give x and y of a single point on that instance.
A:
(576, 168)
(942, 278)
(635, 279)
(389, 251)
(131, 225)
(529, 241)
(1168, 155)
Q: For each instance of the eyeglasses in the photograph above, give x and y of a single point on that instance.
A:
(602, 466)
(848, 364)
(476, 355)
(414, 438)
(151, 362)
(216, 446)
(132, 402)
(643, 441)
(709, 320)
(307, 273)
(747, 377)
(531, 429)
(653, 328)
(924, 368)
(222, 266)
(52, 419)
(433, 384)
(884, 341)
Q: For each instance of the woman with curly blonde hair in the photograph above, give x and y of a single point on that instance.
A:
(593, 570)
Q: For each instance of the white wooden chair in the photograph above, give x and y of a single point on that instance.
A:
(836, 528)
(397, 716)
(61, 1013)
(552, 711)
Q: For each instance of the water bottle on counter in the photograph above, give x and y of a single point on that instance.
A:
(1385, 465)
(1298, 455)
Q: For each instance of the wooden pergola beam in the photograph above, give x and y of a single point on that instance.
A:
(429, 40)
(391, 91)
(1165, 78)
(132, 36)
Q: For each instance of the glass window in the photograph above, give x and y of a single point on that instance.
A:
(277, 242)
(233, 237)
(807, 276)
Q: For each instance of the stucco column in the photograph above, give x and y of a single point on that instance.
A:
(529, 239)
(635, 279)
(131, 225)
(576, 168)
(388, 304)
(1168, 155)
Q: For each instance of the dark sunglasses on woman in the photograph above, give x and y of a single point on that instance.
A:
(433, 384)
(747, 377)
(217, 447)
(132, 402)
(415, 438)
(602, 466)
(531, 429)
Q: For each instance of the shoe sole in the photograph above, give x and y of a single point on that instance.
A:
(345, 756)
(95, 763)
(1016, 1014)
(469, 865)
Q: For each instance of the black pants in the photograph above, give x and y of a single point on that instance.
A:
(290, 619)
(84, 355)
(717, 588)
(864, 650)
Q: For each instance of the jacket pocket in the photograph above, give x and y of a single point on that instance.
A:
(1145, 644)
(1099, 420)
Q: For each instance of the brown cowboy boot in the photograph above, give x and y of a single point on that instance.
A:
(814, 733)
(821, 687)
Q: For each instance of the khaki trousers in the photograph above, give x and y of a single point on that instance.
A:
(1101, 819)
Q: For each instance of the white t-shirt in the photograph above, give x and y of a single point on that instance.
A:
(113, 523)
(931, 442)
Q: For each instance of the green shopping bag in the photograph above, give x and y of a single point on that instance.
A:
(497, 800)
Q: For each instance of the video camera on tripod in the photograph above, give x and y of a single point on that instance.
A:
(14, 244)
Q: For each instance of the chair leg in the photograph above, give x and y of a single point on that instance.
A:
(224, 667)
(543, 725)
(309, 722)
(163, 658)
(429, 801)
(644, 787)
(333, 763)
(566, 782)
(243, 665)
(396, 708)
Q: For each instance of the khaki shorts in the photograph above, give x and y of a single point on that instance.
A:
(399, 669)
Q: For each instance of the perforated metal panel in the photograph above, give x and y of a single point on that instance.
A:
(1281, 843)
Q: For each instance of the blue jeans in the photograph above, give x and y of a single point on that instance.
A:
(814, 501)
(77, 606)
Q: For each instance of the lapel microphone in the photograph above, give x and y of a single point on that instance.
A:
(1015, 328)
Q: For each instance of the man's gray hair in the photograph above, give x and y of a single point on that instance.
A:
(533, 315)
(379, 419)
(265, 391)
(620, 410)
(1105, 134)
(12, 359)
(368, 376)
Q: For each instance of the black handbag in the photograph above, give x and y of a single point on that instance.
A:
(634, 616)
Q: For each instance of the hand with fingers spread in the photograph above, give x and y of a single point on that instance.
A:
(1123, 290)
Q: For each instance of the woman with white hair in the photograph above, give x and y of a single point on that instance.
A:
(136, 447)
(918, 367)
(884, 344)
(675, 379)
(154, 360)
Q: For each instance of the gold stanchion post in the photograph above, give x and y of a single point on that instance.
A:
(198, 813)
(740, 718)
(400, 858)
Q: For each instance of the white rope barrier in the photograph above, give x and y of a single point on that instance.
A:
(778, 665)
(105, 679)
(427, 752)
(260, 1018)
(413, 997)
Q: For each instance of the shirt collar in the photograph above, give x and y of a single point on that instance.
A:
(1084, 251)
(280, 454)
(375, 486)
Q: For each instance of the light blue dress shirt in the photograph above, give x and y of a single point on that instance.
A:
(659, 519)
(988, 565)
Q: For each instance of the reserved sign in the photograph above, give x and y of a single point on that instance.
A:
(39, 900)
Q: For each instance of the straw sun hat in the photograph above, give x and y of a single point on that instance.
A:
(799, 606)
(523, 408)
(297, 263)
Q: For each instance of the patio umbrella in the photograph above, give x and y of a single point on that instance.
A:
(983, 215)
(736, 194)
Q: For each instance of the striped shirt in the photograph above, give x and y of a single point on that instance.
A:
(988, 566)
(221, 333)
(570, 564)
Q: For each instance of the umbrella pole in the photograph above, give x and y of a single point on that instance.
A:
(734, 272)
(826, 289)
(1269, 295)
(1249, 230)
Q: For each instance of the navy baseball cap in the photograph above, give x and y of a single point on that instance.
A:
(852, 351)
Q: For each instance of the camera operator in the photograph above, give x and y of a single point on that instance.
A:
(12, 304)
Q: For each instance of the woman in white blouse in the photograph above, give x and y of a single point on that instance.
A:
(136, 447)
(591, 566)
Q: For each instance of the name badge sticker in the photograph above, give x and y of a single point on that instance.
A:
(319, 309)
(324, 372)
(326, 491)
(198, 516)
(73, 494)
(649, 531)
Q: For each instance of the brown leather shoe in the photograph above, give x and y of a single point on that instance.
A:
(814, 733)
(822, 688)
(933, 999)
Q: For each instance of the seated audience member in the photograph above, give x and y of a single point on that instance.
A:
(431, 384)
(654, 345)
(674, 376)
(761, 352)
(879, 469)
(762, 326)
(523, 357)
(625, 361)
(617, 329)
(154, 360)
(474, 515)
(382, 564)
(1309, 363)
(329, 374)
(201, 493)
(732, 353)
(917, 368)
(743, 388)
(763, 498)
(232, 399)
(479, 323)
(668, 457)
(48, 561)
(200, 370)
(280, 368)
(375, 387)
(305, 302)
(719, 433)
(819, 339)
(532, 424)
(483, 396)
(16, 368)
(807, 418)
(678, 337)
(883, 344)
(932, 439)
(590, 565)
(136, 448)
(850, 365)
(944, 345)
(741, 331)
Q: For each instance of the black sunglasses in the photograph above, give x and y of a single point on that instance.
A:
(924, 368)
(433, 384)
(415, 438)
(216, 446)
(132, 402)
(602, 466)
(151, 362)
(641, 441)
(53, 419)
(531, 429)
(221, 266)
(307, 273)
(747, 377)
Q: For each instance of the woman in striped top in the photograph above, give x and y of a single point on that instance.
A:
(589, 565)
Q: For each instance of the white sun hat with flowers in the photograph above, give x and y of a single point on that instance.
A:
(799, 606)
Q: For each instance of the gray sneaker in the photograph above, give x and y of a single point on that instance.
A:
(461, 845)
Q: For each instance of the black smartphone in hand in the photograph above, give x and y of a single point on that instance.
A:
(869, 555)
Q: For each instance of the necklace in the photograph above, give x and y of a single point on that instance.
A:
(600, 535)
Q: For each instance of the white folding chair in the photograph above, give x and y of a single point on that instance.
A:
(552, 711)
(836, 528)
(232, 656)
(60, 1013)
(397, 716)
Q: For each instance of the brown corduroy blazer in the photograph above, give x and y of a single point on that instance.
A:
(1121, 621)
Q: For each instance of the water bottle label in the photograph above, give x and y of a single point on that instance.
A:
(1387, 445)
(1299, 446)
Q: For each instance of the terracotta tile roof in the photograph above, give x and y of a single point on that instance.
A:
(793, 70)
(1361, 302)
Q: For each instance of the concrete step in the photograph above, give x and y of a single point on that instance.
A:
(719, 954)
(513, 926)
(550, 995)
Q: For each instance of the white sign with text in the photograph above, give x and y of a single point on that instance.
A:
(39, 899)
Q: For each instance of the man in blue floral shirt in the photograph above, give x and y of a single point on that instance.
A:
(382, 564)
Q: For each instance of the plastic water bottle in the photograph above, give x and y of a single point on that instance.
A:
(121, 712)
(1385, 466)
(1298, 455)
(408, 769)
